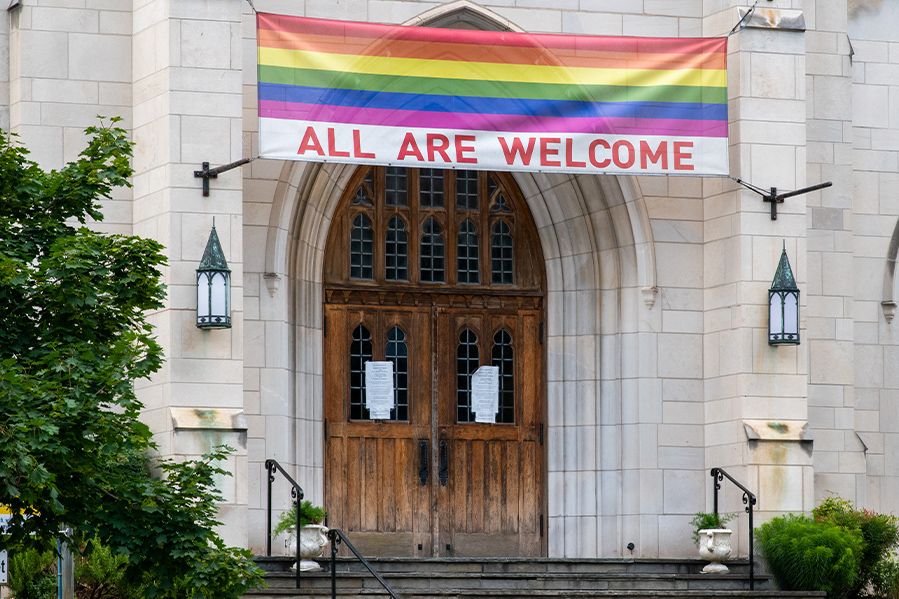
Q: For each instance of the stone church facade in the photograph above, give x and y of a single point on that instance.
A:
(641, 337)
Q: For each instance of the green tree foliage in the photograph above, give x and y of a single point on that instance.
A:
(808, 555)
(73, 340)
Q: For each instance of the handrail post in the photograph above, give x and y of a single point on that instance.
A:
(749, 498)
(333, 537)
(751, 548)
(296, 492)
(299, 505)
(715, 487)
(270, 474)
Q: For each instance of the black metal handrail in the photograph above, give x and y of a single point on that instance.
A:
(336, 536)
(296, 492)
(749, 500)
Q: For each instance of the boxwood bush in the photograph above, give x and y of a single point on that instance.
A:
(810, 555)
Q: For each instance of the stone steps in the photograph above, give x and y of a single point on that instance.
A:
(480, 578)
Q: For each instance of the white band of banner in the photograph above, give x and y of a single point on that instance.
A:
(492, 150)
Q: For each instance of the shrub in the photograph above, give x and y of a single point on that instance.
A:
(879, 532)
(99, 574)
(885, 579)
(32, 574)
(809, 555)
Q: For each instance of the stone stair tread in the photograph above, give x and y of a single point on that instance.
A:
(523, 575)
(481, 594)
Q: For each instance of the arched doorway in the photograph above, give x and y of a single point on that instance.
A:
(439, 272)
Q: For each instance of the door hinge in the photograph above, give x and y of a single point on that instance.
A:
(325, 429)
(324, 326)
(540, 333)
(540, 433)
(541, 525)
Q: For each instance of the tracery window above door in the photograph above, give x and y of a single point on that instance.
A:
(433, 229)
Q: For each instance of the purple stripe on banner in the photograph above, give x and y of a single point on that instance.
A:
(489, 122)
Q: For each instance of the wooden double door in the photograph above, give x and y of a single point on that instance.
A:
(430, 481)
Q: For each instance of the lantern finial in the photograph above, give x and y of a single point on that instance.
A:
(783, 277)
(214, 257)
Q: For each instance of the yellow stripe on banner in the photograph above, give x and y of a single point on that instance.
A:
(490, 71)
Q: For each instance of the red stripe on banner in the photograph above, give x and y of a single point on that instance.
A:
(547, 41)
(489, 122)
(396, 48)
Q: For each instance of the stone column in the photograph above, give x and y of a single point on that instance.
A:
(756, 394)
(187, 110)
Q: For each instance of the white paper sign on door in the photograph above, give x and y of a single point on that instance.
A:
(485, 393)
(379, 389)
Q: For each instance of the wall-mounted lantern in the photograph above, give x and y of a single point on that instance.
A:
(213, 287)
(783, 306)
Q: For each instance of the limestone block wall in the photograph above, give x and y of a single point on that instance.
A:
(4, 71)
(67, 63)
(875, 207)
(839, 454)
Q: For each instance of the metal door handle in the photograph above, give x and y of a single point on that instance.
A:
(423, 462)
(443, 473)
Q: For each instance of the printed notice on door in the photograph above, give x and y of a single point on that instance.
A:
(379, 389)
(485, 394)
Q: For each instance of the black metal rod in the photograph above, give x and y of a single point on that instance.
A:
(751, 548)
(749, 498)
(299, 510)
(214, 172)
(333, 566)
(296, 492)
(268, 512)
(790, 194)
(337, 536)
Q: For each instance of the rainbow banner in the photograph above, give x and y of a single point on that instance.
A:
(382, 94)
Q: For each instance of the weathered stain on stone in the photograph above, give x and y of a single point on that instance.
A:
(780, 427)
(859, 6)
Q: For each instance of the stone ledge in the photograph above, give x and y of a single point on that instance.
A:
(228, 419)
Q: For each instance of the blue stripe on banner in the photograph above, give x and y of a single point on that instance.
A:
(479, 105)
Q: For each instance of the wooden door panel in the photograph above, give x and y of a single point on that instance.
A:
(492, 504)
(372, 489)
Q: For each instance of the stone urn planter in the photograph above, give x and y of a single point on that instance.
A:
(313, 538)
(714, 546)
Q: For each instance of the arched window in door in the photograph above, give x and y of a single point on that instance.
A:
(467, 361)
(447, 228)
(397, 352)
(504, 359)
(360, 353)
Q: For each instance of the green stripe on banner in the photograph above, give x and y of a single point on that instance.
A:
(492, 89)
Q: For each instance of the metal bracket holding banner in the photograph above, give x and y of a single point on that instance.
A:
(207, 173)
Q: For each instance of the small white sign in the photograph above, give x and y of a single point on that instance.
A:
(485, 394)
(4, 557)
(379, 389)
